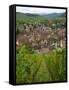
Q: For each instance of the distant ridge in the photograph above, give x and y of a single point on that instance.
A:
(52, 15)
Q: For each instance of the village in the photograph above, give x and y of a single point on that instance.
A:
(40, 37)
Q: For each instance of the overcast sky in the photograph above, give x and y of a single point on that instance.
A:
(38, 10)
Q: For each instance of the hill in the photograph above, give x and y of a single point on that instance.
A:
(52, 15)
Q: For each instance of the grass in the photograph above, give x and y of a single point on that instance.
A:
(32, 67)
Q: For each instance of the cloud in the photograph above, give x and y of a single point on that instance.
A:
(38, 10)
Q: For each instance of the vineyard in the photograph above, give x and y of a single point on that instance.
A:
(32, 67)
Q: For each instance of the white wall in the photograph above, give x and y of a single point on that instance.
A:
(4, 44)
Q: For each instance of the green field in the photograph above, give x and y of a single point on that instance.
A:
(32, 67)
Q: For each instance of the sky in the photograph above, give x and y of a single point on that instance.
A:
(34, 10)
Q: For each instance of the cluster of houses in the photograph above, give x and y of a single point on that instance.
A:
(28, 27)
(40, 37)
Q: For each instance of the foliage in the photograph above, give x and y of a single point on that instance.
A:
(32, 67)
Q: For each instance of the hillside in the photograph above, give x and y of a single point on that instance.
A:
(40, 48)
(39, 32)
(49, 16)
